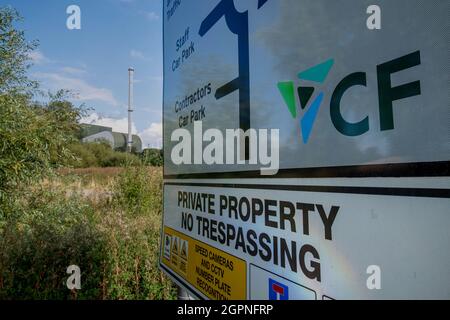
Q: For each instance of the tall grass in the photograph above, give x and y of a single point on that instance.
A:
(108, 225)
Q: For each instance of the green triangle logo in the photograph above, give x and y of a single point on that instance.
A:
(318, 73)
(287, 91)
(304, 94)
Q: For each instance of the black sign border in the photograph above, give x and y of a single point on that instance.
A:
(413, 169)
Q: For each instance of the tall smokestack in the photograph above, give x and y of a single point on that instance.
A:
(130, 107)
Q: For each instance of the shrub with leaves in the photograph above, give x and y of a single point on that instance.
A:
(33, 137)
(47, 233)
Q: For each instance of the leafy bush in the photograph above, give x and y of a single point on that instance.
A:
(33, 137)
(153, 157)
(138, 191)
(83, 157)
(115, 244)
(120, 159)
(100, 154)
(37, 246)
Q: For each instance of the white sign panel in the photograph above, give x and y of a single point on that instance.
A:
(347, 100)
(289, 244)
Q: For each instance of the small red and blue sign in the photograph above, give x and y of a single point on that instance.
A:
(278, 291)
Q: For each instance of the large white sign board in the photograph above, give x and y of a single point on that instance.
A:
(316, 244)
(360, 206)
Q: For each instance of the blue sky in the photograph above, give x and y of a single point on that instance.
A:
(93, 61)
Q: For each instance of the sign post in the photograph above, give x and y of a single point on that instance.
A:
(306, 156)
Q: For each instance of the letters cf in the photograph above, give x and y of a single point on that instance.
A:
(386, 95)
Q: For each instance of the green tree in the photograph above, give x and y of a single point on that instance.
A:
(33, 136)
(14, 54)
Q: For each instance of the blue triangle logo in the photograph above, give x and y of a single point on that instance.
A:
(310, 116)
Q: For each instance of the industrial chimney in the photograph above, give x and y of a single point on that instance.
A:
(130, 107)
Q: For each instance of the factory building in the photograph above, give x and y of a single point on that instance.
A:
(117, 140)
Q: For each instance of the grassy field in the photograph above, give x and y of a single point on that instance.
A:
(105, 220)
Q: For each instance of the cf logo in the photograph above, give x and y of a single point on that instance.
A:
(386, 95)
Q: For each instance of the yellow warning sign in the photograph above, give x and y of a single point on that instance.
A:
(184, 250)
(174, 259)
(175, 246)
(215, 273)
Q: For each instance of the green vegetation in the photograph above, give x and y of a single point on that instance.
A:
(99, 154)
(106, 221)
(111, 230)
(153, 157)
(33, 137)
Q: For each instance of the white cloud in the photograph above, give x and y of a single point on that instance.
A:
(151, 110)
(158, 79)
(117, 124)
(73, 71)
(152, 136)
(151, 15)
(37, 57)
(136, 54)
(80, 87)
